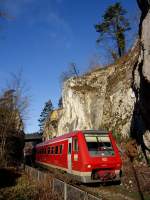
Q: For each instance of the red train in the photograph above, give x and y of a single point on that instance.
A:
(90, 156)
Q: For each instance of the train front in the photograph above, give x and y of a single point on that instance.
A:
(104, 161)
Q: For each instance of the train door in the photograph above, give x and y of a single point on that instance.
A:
(69, 155)
(76, 161)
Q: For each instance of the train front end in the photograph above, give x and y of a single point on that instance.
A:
(103, 161)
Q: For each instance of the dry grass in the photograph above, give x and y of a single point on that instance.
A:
(23, 188)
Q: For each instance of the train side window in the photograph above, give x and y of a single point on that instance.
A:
(48, 150)
(60, 149)
(75, 145)
(56, 150)
(52, 150)
(69, 149)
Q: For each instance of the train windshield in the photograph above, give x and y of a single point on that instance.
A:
(99, 145)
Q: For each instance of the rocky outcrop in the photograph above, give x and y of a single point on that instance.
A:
(101, 99)
(116, 97)
(144, 6)
(141, 115)
(145, 39)
(51, 124)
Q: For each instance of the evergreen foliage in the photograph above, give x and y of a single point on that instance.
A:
(48, 108)
(114, 26)
(60, 104)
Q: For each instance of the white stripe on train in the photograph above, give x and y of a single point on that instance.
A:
(74, 172)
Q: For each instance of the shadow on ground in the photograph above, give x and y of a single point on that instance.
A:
(8, 177)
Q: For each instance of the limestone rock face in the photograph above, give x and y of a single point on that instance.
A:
(116, 97)
(51, 123)
(101, 99)
(141, 81)
(146, 46)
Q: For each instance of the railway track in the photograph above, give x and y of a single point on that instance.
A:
(104, 192)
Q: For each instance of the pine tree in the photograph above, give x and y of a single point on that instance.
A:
(48, 108)
(114, 26)
(60, 104)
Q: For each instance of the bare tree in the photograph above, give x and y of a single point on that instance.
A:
(13, 104)
(72, 71)
(21, 93)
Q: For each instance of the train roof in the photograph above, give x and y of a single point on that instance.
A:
(97, 131)
(71, 134)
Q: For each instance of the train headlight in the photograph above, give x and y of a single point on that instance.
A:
(89, 166)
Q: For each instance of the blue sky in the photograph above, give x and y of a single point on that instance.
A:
(42, 37)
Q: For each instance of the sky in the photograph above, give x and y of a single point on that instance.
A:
(40, 38)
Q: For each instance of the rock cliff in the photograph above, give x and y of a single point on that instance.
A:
(140, 125)
(116, 97)
(101, 99)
